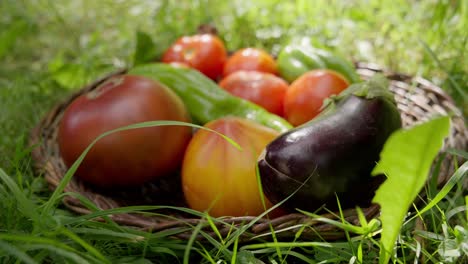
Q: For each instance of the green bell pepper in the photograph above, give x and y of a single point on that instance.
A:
(295, 60)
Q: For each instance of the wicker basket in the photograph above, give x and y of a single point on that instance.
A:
(418, 100)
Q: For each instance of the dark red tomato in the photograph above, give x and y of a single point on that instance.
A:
(204, 52)
(250, 59)
(264, 89)
(131, 157)
(305, 96)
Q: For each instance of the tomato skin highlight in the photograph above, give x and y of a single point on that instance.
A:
(250, 59)
(264, 89)
(131, 157)
(204, 52)
(219, 178)
(304, 97)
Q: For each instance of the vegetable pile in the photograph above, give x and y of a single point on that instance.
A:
(303, 126)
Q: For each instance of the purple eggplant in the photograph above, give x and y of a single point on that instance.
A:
(333, 154)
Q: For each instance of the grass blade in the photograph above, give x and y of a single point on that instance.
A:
(90, 205)
(454, 83)
(25, 205)
(16, 252)
(190, 242)
(286, 245)
(90, 249)
(207, 255)
(457, 177)
(71, 255)
(458, 152)
(342, 225)
(214, 228)
(32, 243)
(466, 204)
(234, 251)
(104, 234)
(132, 209)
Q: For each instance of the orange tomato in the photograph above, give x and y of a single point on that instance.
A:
(305, 96)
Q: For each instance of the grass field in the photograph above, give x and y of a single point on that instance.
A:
(50, 48)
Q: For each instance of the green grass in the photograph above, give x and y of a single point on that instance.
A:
(50, 48)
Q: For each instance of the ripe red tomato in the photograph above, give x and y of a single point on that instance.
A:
(264, 89)
(204, 52)
(305, 96)
(217, 176)
(129, 157)
(250, 59)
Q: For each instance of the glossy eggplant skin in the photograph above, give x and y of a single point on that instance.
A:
(333, 154)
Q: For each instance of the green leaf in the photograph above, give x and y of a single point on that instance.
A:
(70, 76)
(145, 50)
(406, 160)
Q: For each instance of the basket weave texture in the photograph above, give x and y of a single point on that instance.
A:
(418, 100)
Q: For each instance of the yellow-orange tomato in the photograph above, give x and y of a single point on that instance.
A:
(218, 177)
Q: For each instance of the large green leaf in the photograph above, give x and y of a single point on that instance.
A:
(406, 160)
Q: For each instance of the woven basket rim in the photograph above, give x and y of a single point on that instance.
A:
(409, 92)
